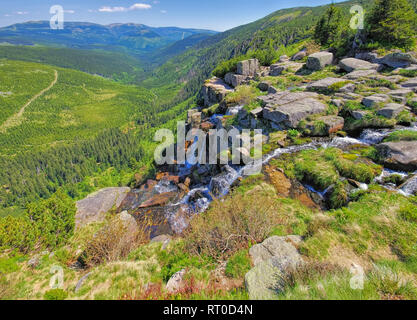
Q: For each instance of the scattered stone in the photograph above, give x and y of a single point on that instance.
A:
(399, 155)
(214, 91)
(264, 86)
(159, 200)
(289, 108)
(272, 90)
(278, 68)
(164, 239)
(196, 120)
(299, 56)
(338, 103)
(400, 95)
(257, 113)
(368, 56)
(81, 282)
(283, 58)
(248, 68)
(317, 61)
(350, 87)
(324, 84)
(391, 110)
(375, 100)
(354, 75)
(33, 262)
(348, 95)
(190, 114)
(333, 124)
(176, 282)
(399, 60)
(96, 205)
(352, 64)
(358, 114)
(412, 83)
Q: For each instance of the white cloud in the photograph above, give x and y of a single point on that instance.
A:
(22, 12)
(136, 6)
(69, 11)
(164, 11)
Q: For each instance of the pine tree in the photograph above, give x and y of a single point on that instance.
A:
(330, 26)
(392, 23)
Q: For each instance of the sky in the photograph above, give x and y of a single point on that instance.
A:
(219, 15)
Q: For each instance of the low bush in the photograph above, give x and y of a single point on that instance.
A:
(55, 294)
(243, 95)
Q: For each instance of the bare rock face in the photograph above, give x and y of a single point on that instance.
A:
(317, 61)
(95, 206)
(399, 155)
(214, 91)
(289, 108)
(176, 282)
(352, 64)
(273, 259)
(248, 68)
(278, 68)
(299, 55)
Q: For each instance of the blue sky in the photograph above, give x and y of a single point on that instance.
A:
(217, 15)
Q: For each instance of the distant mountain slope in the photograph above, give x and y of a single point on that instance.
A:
(106, 64)
(135, 38)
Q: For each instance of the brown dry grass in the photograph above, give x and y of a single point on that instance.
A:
(232, 224)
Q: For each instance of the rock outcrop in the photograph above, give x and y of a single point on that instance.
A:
(95, 206)
(214, 91)
(324, 84)
(248, 68)
(289, 108)
(399, 60)
(375, 100)
(391, 110)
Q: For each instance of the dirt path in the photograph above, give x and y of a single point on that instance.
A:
(14, 119)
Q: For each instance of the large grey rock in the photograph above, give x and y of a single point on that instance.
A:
(273, 259)
(332, 124)
(354, 75)
(375, 100)
(352, 64)
(399, 60)
(248, 68)
(399, 155)
(214, 91)
(289, 108)
(96, 205)
(391, 110)
(324, 84)
(264, 86)
(400, 95)
(234, 79)
(317, 61)
(358, 114)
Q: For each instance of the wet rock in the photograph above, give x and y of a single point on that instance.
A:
(324, 84)
(159, 200)
(317, 61)
(96, 205)
(352, 64)
(248, 68)
(354, 75)
(410, 186)
(399, 155)
(375, 100)
(273, 259)
(214, 91)
(391, 110)
(176, 282)
(234, 79)
(289, 108)
(399, 60)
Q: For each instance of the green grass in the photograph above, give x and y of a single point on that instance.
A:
(238, 265)
(403, 135)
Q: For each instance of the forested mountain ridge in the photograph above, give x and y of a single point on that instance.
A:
(135, 38)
